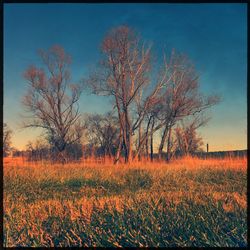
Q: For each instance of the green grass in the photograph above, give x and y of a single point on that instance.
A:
(128, 207)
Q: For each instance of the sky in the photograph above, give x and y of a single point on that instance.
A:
(214, 36)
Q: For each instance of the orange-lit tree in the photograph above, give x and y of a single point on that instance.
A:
(53, 100)
(186, 138)
(122, 74)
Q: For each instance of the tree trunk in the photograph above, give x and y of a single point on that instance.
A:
(125, 151)
(168, 144)
(62, 157)
(151, 142)
(139, 140)
(118, 151)
(127, 137)
(141, 144)
(117, 154)
(163, 141)
(151, 148)
(147, 151)
(147, 134)
(129, 149)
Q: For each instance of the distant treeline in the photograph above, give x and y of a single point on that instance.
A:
(222, 154)
(88, 153)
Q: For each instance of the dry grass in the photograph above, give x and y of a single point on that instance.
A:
(189, 202)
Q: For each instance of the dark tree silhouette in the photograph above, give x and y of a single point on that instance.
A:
(103, 133)
(7, 133)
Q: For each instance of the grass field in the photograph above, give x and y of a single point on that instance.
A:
(189, 202)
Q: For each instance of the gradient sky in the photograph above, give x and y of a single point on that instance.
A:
(214, 36)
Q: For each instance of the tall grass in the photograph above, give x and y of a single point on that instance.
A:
(189, 202)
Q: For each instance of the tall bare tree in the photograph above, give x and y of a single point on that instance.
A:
(53, 101)
(175, 96)
(123, 73)
(7, 132)
(181, 98)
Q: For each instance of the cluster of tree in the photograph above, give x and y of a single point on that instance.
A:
(187, 141)
(101, 134)
(142, 106)
(145, 106)
(40, 149)
(103, 138)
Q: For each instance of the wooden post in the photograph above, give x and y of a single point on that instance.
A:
(207, 147)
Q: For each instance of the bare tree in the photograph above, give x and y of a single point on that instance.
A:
(37, 149)
(187, 140)
(123, 73)
(53, 101)
(103, 133)
(175, 96)
(181, 97)
(7, 132)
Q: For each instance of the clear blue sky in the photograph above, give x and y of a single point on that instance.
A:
(214, 36)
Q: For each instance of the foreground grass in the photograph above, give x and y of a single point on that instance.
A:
(186, 203)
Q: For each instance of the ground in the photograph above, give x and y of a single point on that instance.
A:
(188, 202)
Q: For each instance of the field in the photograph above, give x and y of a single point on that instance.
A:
(189, 202)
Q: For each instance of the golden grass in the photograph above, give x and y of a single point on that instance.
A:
(190, 163)
(35, 192)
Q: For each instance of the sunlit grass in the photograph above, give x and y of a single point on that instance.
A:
(189, 202)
